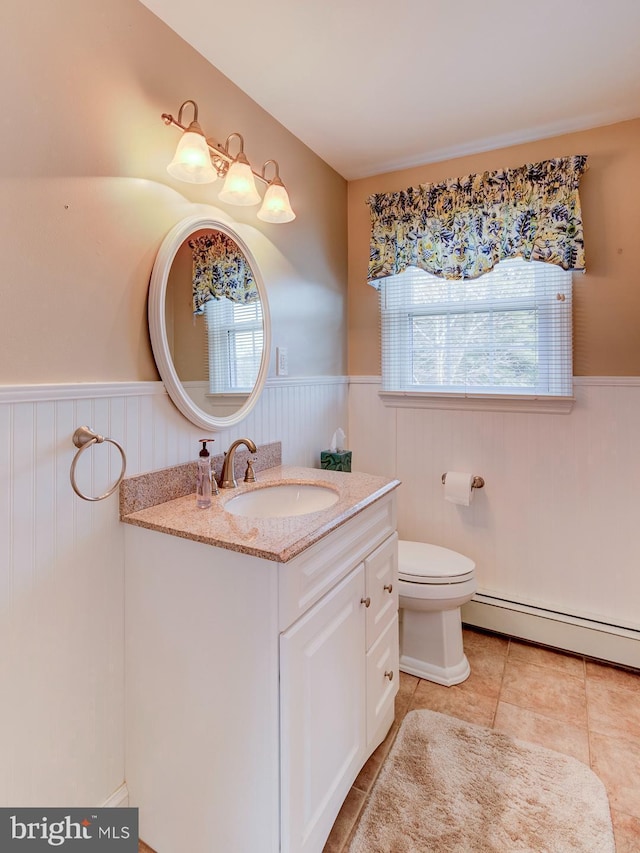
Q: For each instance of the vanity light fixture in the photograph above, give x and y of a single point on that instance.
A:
(192, 161)
(199, 160)
(239, 185)
(275, 206)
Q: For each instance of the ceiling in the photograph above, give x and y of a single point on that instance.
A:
(372, 86)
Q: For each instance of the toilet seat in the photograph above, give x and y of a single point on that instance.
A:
(433, 584)
(423, 563)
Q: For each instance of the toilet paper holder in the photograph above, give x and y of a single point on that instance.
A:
(476, 483)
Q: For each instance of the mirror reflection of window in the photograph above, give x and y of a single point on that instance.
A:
(234, 344)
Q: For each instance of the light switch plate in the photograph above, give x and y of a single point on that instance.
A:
(282, 361)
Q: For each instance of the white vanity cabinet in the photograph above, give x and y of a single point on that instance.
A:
(323, 714)
(338, 679)
(256, 689)
(383, 649)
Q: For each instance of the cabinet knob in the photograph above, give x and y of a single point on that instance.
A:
(388, 587)
(366, 601)
(389, 674)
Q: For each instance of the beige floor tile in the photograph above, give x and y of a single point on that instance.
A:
(486, 642)
(545, 691)
(487, 670)
(571, 664)
(627, 832)
(346, 820)
(543, 731)
(613, 710)
(614, 677)
(407, 688)
(466, 705)
(617, 763)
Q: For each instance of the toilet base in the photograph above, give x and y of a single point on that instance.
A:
(448, 676)
(431, 646)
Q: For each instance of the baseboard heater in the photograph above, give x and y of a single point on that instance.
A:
(589, 637)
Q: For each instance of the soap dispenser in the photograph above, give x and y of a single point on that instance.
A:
(205, 484)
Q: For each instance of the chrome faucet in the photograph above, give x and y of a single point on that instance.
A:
(227, 478)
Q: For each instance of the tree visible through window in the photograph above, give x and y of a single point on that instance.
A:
(506, 332)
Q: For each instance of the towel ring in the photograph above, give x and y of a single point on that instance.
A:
(85, 437)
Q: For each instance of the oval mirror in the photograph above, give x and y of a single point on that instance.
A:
(209, 322)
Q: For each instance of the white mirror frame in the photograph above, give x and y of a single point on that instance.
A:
(158, 325)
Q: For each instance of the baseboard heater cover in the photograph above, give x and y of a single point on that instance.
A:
(598, 640)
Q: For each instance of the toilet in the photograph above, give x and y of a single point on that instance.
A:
(433, 585)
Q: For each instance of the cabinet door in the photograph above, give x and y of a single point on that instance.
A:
(323, 718)
(381, 569)
(383, 673)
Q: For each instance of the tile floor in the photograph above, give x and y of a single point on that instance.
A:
(565, 702)
(579, 707)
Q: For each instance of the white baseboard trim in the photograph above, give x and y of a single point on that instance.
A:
(295, 381)
(592, 639)
(365, 380)
(119, 798)
(78, 391)
(96, 390)
(93, 390)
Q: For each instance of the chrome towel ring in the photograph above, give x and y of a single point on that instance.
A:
(85, 437)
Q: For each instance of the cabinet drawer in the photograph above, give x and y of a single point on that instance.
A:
(381, 579)
(306, 578)
(383, 675)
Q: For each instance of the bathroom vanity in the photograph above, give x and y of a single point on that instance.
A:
(261, 663)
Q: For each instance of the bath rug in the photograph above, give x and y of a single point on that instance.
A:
(451, 787)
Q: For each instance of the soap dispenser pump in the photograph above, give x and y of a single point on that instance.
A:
(205, 484)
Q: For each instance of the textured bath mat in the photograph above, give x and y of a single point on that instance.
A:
(451, 787)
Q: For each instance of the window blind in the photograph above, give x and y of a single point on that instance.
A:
(234, 344)
(506, 332)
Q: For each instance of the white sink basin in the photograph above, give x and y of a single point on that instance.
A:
(282, 500)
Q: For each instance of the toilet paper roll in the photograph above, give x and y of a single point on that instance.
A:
(458, 488)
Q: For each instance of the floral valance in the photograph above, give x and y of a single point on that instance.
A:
(220, 269)
(462, 227)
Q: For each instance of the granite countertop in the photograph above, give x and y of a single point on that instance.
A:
(278, 539)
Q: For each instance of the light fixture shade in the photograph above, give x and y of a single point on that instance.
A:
(192, 161)
(239, 185)
(276, 206)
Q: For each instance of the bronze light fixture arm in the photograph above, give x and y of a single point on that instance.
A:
(276, 178)
(220, 154)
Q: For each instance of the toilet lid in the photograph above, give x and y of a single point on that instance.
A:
(420, 562)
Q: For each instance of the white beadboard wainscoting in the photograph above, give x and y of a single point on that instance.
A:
(554, 532)
(61, 565)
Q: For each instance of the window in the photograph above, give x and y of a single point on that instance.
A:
(507, 332)
(234, 339)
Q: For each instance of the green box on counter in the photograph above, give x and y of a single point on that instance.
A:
(332, 460)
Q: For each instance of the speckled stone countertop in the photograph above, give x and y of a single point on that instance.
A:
(166, 484)
(278, 539)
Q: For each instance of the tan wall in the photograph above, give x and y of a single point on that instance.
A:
(186, 333)
(606, 297)
(86, 199)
